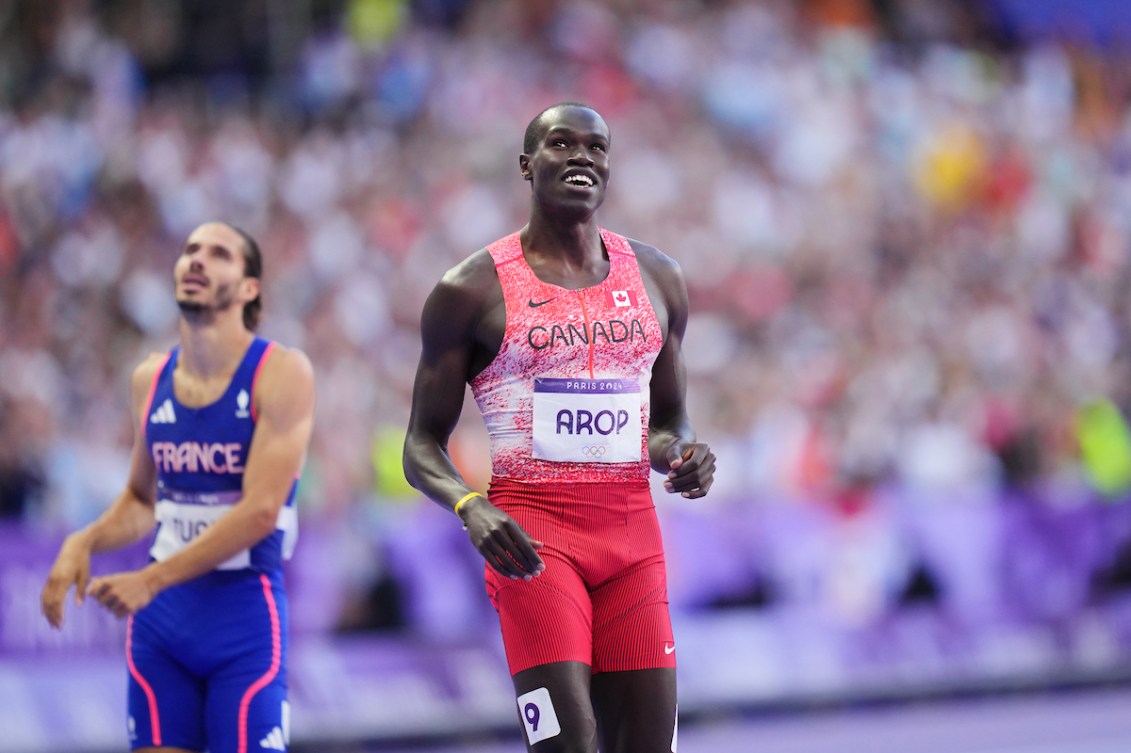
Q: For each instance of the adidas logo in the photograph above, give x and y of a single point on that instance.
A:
(274, 740)
(164, 414)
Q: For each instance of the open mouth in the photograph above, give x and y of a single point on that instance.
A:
(579, 180)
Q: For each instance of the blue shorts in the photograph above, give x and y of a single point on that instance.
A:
(208, 666)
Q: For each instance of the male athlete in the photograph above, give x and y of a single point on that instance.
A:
(224, 421)
(569, 336)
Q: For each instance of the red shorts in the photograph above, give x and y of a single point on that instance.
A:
(603, 597)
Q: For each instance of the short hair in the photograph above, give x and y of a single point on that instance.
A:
(252, 267)
(530, 139)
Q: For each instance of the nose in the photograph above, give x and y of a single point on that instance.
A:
(580, 156)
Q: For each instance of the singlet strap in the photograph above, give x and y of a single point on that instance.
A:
(616, 244)
(262, 359)
(248, 369)
(158, 376)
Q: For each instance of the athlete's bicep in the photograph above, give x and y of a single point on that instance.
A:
(437, 398)
(447, 343)
(283, 426)
(142, 479)
(669, 385)
(669, 372)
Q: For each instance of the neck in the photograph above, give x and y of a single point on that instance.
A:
(568, 240)
(212, 349)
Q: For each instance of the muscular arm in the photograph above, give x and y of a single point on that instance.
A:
(129, 518)
(672, 445)
(447, 330)
(458, 334)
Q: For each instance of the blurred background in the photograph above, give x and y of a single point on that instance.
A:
(905, 227)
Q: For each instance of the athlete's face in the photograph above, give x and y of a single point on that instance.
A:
(209, 276)
(569, 167)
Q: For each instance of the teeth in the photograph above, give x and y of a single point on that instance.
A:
(580, 180)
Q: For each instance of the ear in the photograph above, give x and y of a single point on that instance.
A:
(524, 167)
(250, 287)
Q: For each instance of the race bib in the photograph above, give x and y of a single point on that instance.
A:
(179, 524)
(587, 420)
(182, 516)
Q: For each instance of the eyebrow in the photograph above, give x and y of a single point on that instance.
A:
(566, 129)
(201, 245)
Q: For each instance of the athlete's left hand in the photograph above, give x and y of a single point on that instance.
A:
(122, 594)
(692, 469)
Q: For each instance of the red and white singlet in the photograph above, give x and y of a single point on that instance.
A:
(566, 398)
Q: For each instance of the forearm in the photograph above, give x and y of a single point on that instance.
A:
(129, 519)
(429, 468)
(242, 527)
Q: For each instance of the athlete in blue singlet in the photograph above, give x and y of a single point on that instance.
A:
(224, 420)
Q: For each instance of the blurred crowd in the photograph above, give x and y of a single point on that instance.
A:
(905, 228)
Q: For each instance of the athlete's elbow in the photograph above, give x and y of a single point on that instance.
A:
(410, 474)
(410, 464)
(263, 521)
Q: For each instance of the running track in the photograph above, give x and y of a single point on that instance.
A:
(1082, 721)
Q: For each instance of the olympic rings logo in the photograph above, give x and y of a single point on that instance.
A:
(594, 451)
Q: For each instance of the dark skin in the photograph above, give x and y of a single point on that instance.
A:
(462, 329)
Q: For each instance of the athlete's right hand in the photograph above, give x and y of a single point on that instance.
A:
(501, 540)
(71, 568)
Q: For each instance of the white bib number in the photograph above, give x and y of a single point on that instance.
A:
(180, 524)
(182, 516)
(587, 420)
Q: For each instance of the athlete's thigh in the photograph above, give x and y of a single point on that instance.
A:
(555, 708)
(544, 620)
(247, 706)
(632, 626)
(165, 702)
(636, 710)
(247, 709)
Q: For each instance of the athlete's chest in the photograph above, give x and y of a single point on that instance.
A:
(607, 328)
(195, 411)
(194, 392)
(599, 317)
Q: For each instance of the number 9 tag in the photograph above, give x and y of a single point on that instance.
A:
(538, 716)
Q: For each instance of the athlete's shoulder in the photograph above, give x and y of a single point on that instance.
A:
(654, 260)
(144, 374)
(665, 274)
(467, 289)
(287, 364)
(286, 383)
(146, 370)
(474, 270)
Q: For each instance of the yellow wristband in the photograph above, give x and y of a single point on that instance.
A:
(463, 499)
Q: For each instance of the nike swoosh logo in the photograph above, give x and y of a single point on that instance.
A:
(669, 649)
(535, 304)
